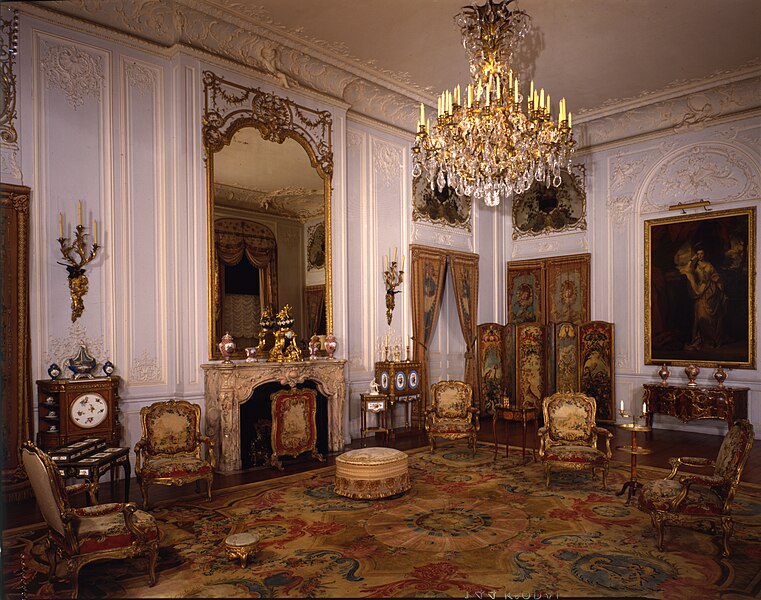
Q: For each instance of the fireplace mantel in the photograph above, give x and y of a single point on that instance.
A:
(228, 385)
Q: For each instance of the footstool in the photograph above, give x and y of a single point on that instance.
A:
(370, 473)
(241, 546)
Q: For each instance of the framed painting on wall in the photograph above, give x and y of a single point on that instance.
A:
(445, 207)
(700, 289)
(316, 247)
(525, 291)
(568, 288)
(551, 209)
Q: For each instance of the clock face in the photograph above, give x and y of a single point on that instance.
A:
(89, 410)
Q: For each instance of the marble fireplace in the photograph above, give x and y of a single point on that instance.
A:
(228, 385)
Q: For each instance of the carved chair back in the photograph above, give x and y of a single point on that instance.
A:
(732, 457)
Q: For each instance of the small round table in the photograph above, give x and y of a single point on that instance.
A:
(634, 450)
(524, 415)
(241, 546)
(378, 405)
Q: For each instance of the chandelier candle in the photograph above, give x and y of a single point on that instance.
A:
(494, 145)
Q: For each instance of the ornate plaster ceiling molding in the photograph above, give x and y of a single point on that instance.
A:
(295, 203)
(677, 114)
(246, 35)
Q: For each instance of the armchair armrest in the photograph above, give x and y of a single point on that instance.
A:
(205, 439)
(141, 444)
(90, 487)
(687, 461)
(127, 509)
(608, 436)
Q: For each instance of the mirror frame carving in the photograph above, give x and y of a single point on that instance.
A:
(230, 107)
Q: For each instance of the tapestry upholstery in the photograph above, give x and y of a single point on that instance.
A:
(568, 439)
(452, 414)
(294, 424)
(696, 497)
(84, 535)
(170, 449)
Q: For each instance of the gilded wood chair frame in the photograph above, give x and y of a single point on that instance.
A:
(64, 522)
(580, 452)
(671, 503)
(146, 455)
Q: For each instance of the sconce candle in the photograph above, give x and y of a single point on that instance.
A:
(78, 282)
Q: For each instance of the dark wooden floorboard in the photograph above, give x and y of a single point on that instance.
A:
(663, 443)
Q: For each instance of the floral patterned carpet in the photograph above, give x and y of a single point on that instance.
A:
(468, 528)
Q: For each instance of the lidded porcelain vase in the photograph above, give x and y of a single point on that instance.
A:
(227, 347)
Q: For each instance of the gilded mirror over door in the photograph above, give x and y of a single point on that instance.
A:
(269, 168)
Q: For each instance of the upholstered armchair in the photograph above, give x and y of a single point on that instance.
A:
(452, 414)
(83, 535)
(569, 437)
(169, 452)
(693, 497)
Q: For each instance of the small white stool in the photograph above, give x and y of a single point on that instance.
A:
(370, 473)
(241, 546)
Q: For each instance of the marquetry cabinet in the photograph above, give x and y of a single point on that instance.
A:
(400, 381)
(75, 409)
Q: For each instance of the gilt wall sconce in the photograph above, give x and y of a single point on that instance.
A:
(78, 282)
(393, 277)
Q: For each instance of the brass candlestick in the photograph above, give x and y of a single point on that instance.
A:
(392, 277)
(78, 283)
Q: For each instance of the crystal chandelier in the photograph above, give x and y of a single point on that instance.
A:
(483, 144)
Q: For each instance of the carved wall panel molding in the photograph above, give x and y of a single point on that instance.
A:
(75, 72)
(145, 369)
(66, 346)
(140, 78)
(713, 171)
(388, 163)
(620, 208)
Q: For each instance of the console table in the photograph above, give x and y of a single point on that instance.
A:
(696, 402)
(228, 385)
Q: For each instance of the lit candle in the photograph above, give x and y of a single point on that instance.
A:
(470, 95)
(422, 113)
(622, 406)
(499, 89)
(488, 93)
(79, 211)
(570, 122)
(549, 106)
(385, 262)
(394, 253)
(60, 225)
(644, 408)
(402, 262)
(94, 232)
(516, 91)
(531, 92)
(541, 98)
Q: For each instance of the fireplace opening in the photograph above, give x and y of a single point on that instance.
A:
(256, 423)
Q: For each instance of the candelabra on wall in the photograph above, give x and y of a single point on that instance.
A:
(78, 282)
(392, 277)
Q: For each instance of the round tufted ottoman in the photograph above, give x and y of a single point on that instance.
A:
(370, 473)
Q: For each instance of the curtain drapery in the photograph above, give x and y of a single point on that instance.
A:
(464, 268)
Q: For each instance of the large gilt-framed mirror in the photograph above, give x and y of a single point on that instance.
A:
(269, 163)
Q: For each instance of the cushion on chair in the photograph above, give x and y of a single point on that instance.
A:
(175, 466)
(110, 531)
(579, 454)
(371, 473)
(658, 494)
(444, 426)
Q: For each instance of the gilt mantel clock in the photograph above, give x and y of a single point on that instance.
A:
(74, 409)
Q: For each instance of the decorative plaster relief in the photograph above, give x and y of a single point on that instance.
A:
(62, 348)
(388, 163)
(620, 209)
(353, 140)
(715, 172)
(559, 244)
(140, 78)
(626, 170)
(75, 72)
(9, 164)
(145, 369)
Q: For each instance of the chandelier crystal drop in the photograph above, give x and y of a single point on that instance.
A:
(483, 143)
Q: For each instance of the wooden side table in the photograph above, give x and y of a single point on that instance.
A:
(378, 405)
(92, 466)
(634, 450)
(525, 415)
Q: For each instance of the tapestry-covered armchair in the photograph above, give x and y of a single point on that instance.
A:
(169, 452)
(569, 437)
(700, 497)
(83, 535)
(452, 414)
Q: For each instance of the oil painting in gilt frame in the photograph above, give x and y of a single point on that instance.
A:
(544, 209)
(440, 207)
(700, 289)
